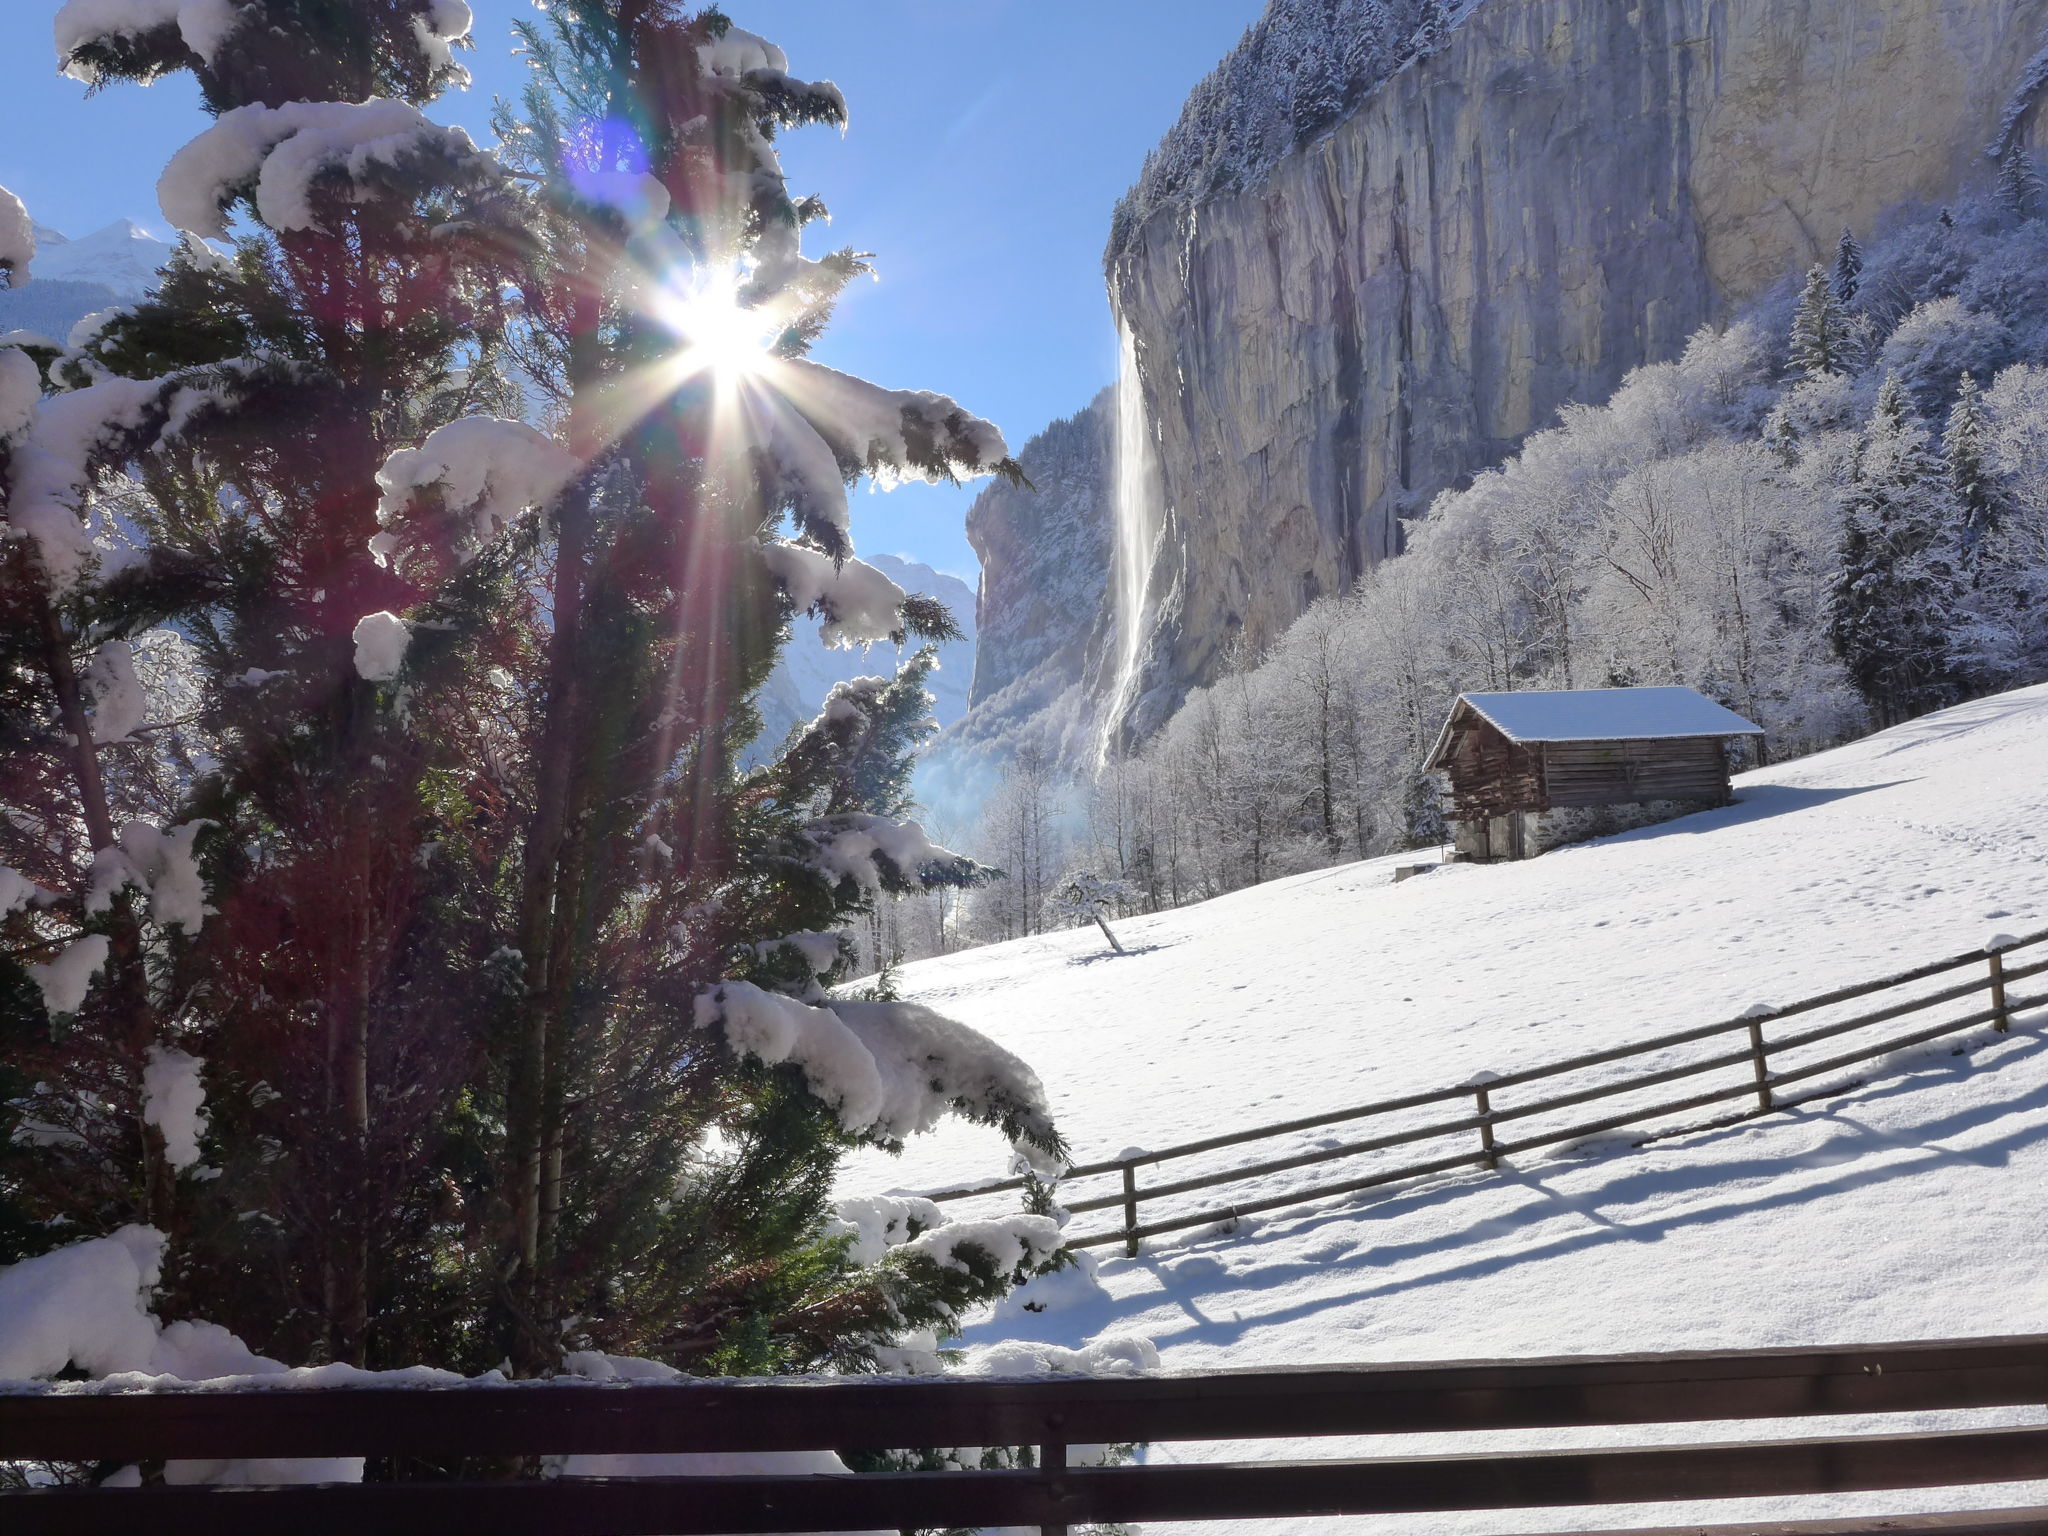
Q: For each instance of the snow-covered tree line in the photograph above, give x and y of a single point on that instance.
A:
(1301, 67)
(1830, 515)
(392, 952)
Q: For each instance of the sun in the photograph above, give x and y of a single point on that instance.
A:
(715, 333)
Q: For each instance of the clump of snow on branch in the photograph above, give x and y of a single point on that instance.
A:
(1018, 1244)
(51, 468)
(16, 890)
(65, 980)
(85, 331)
(119, 704)
(889, 1070)
(159, 861)
(80, 24)
(875, 852)
(17, 239)
(381, 640)
(173, 1100)
(877, 1223)
(487, 471)
(859, 604)
(21, 387)
(277, 152)
(740, 53)
(446, 23)
(894, 434)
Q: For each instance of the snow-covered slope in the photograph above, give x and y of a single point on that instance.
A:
(1912, 1205)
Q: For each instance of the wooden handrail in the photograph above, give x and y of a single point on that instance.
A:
(90, 1422)
(1489, 1115)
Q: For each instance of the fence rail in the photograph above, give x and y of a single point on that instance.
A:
(87, 1424)
(1753, 1055)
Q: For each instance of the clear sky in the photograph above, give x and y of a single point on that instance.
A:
(989, 139)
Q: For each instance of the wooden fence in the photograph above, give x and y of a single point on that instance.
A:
(1760, 1066)
(403, 1427)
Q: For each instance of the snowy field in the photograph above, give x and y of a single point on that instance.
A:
(1914, 1204)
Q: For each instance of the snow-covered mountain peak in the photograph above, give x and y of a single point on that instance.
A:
(123, 255)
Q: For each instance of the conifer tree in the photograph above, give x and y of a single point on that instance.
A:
(2019, 189)
(1972, 487)
(1848, 276)
(1892, 596)
(476, 932)
(1820, 342)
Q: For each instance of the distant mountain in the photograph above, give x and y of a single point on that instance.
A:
(124, 257)
(71, 279)
(796, 689)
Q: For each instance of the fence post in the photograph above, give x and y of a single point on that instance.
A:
(1052, 1461)
(1486, 1129)
(1477, 1083)
(1763, 1071)
(1130, 1211)
(2001, 1019)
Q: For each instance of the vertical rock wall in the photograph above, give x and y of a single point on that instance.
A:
(1565, 192)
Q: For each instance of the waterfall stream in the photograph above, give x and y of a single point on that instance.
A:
(1137, 539)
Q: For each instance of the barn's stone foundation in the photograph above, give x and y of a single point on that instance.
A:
(1524, 834)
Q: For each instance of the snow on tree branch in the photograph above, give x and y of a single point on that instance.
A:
(446, 23)
(889, 1070)
(21, 387)
(17, 239)
(173, 1100)
(860, 605)
(879, 854)
(80, 25)
(894, 434)
(486, 472)
(275, 154)
(69, 436)
(119, 704)
(159, 861)
(64, 980)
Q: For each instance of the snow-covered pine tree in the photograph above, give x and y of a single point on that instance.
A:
(1892, 596)
(250, 404)
(504, 938)
(1972, 488)
(1848, 276)
(1820, 340)
(2020, 188)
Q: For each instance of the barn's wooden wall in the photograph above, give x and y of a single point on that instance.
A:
(1617, 772)
(1491, 776)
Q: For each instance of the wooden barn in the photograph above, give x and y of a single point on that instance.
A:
(1530, 771)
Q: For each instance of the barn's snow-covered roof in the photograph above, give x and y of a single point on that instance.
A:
(1601, 714)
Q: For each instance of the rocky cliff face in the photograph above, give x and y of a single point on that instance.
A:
(1041, 613)
(1564, 191)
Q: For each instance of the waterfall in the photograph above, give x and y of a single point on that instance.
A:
(1137, 537)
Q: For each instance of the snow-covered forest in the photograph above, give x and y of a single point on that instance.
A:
(398, 964)
(1830, 516)
(1299, 69)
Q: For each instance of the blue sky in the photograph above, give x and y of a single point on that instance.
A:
(989, 139)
